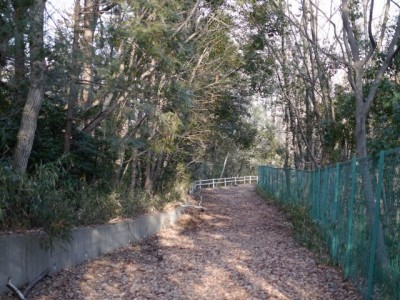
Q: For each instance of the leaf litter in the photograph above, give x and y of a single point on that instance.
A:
(240, 247)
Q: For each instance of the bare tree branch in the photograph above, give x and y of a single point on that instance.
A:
(351, 39)
(393, 50)
(383, 24)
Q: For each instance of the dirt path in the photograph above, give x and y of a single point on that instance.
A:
(239, 248)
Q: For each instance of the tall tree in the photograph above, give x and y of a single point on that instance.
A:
(30, 114)
(20, 9)
(73, 77)
(358, 60)
(90, 16)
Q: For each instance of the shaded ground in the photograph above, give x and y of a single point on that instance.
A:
(239, 248)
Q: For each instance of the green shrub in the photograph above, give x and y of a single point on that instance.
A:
(34, 201)
(53, 200)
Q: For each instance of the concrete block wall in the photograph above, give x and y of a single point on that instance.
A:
(22, 258)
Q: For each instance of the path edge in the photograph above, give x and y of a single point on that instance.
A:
(22, 258)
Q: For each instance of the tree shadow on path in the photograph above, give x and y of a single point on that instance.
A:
(240, 247)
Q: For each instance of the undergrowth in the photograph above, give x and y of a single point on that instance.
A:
(52, 200)
(305, 231)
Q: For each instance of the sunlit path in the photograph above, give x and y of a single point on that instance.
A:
(238, 248)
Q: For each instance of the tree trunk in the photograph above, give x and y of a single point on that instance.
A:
(148, 183)
(158, 170)
(119, 162)
(19, 53)
(134, 173)
(223, 167)
(368, 190)
(26, 133)
(89, 25)
(363, 104)
(74, 76)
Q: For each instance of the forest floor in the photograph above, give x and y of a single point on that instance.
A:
(240, 247)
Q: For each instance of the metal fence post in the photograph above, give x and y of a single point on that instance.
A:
(319, 195)
(374, 242)
(335, 212)
(272, 184)
(350, 217)
(325, 197)
(280, 184)
(315, 196)
(302, 185)
(311, 191)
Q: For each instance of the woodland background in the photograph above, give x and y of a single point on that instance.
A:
(114, 107)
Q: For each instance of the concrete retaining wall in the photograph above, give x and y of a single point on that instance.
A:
(22, 258)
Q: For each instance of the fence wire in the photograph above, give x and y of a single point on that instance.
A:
(357, 205)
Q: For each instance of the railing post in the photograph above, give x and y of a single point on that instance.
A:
(235, 181)
(350, 217)
(225, 181)
(374, 242)
(201, 184)
(213, 183)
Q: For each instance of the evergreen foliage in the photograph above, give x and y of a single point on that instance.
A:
(129, 104)
(141, 97)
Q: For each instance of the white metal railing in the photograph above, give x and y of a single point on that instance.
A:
(216, 182)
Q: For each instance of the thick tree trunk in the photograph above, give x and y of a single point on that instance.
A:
(361, 133)
(367, 187)
(26, 133)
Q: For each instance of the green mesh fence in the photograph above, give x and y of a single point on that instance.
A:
(357, 205)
